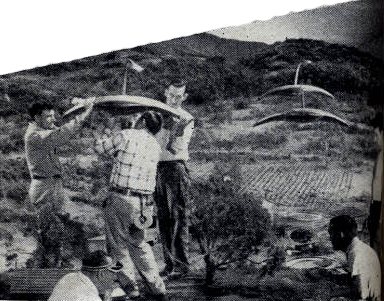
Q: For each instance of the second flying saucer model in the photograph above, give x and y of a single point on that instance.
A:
(305, 115)
(124, 105)
(300, 89)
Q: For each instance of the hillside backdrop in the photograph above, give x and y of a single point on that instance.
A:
(355, 23)
(219, 69)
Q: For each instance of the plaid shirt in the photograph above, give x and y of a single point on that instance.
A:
(136, 154)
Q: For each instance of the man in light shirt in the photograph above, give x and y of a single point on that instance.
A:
(46, 192)
(363, 262)
(171, 194)
(135, 153)
(42, 140)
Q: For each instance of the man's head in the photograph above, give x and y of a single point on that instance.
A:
(129, 121)
(96, 266)
(175, 93)
(342, 229)
(43, 114)
(151, 121)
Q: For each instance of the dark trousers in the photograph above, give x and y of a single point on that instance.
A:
(374, 225)
(172, 201)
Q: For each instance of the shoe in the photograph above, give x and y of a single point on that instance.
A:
(174, 275)
(131, 293)
(165, 272)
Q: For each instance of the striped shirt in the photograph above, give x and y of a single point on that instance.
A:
(136, 154)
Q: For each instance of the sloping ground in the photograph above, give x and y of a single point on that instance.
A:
(300, 184)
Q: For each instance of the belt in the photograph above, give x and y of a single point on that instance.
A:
(43, 178)
(164, 163)
(130, 192)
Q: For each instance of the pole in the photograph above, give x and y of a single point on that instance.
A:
(298, 69)
(297, 74)
(124, 92)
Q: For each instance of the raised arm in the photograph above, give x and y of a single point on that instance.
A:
(181, 136)
(60, 135)
(108, 146)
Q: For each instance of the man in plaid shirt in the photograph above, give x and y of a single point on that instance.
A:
(136, 154)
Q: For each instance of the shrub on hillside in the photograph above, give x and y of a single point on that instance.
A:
(12, 136)
(14, 179)
(228, 225)
(261, 140)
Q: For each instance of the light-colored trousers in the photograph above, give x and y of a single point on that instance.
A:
(126, 243)
(47, 193)
(48, 198)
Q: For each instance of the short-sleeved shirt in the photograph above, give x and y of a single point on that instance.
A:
(364, 262)
(75, 287)
(136, 154)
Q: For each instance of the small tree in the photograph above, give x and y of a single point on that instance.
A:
(228, 225)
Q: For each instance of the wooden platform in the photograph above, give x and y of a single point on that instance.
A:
(37, 284)
(33, 284)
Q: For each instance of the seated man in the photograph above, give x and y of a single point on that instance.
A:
(95, 279)
(363, 262)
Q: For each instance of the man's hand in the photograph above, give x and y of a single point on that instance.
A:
(181, 125)
(88, 107)
(170, 148)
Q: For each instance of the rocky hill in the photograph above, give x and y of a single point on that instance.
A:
(355, 23)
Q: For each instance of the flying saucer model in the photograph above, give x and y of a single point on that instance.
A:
(305, 115)
(312, 262)
(124, 105)
(298, 89)
(307, 94)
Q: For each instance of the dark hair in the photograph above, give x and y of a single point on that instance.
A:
(177, 82)
(345, 224)
(153, 121)
(38, 107)
(126, 122)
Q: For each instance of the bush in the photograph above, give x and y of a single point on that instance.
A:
(14, 179)
(228, 225)
(267, 139)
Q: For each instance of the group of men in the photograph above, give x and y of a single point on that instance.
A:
(149, 161)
